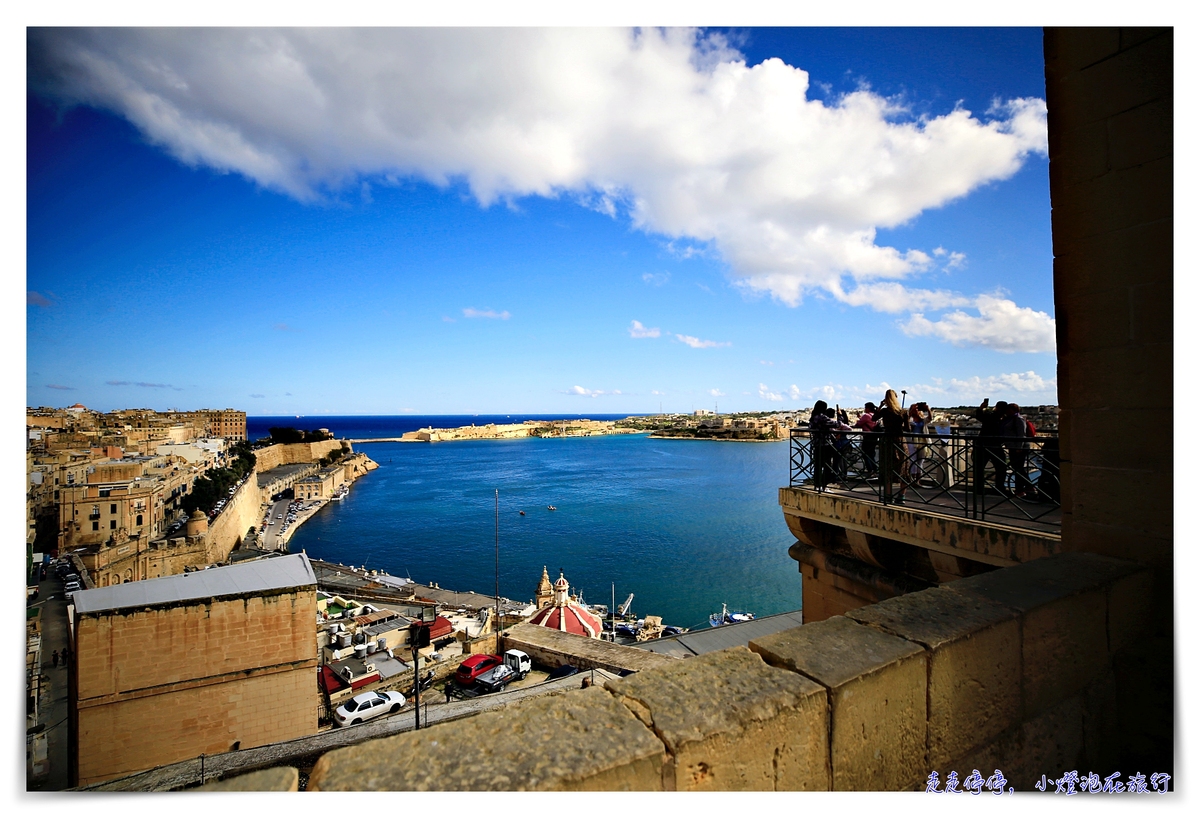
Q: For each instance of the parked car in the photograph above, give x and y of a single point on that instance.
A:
(366, 706)
(561, 671)
(475, 666)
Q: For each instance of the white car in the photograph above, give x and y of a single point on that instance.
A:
(366, 706)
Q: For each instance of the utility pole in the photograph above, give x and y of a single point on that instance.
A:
(498, 565)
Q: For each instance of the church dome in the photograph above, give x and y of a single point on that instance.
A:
(566, 615)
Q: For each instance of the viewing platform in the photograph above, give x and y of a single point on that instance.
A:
(875, 517)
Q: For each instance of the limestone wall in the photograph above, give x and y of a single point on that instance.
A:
(1110, 94)
(283, 454)
(1011, 670)
(243, 510)
(232, 670)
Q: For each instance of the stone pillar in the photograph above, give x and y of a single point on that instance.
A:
(1110, 98)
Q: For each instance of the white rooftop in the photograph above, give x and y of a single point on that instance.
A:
(276, 573)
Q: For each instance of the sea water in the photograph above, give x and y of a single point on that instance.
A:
(684, 525)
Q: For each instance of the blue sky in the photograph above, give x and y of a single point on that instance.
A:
(536, 221)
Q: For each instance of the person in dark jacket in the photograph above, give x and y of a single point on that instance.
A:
(1015, 431)
(819, 426)
(989, 446)
(892, 455)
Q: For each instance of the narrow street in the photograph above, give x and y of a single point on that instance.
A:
(51, 774)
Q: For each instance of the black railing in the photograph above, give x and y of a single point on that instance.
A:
(1014, 480)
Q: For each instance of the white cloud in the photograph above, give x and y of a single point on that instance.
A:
(590, 393)
(696, 343)
(636, 330)
(716, 393)
(1021, 387)
(471, 312)
(657, 279)
(656, 392)
(667, 127)
(1000, 325)
(766, 394)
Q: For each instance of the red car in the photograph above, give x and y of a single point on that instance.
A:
(473, 666)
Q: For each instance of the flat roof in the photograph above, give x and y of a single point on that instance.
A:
(273, 574)
(706, 640)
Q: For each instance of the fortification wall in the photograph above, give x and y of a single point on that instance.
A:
(283, 454)
(242, 511)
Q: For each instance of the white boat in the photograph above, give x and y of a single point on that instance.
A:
(728, 617)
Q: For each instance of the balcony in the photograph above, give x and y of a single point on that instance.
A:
(875, 517)
(958, 474)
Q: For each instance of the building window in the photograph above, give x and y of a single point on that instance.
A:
(95, 512)
(112, 523)
(112, 509)
(96, 525)
(139, 519)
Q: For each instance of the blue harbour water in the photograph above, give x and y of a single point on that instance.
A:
(683, 525)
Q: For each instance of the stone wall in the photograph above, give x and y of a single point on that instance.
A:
(283, 454)
(1011, 670)
(1110, 96)
(243, 510)
(231, 670)
(552, 648)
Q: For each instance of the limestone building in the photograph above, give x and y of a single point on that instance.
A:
(205, 662)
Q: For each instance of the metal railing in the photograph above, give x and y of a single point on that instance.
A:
(1014, 480)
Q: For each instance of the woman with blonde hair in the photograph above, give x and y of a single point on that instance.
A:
(895, 424)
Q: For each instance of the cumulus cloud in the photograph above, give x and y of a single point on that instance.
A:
(657, 279)
(696, 343)
(590, 393)
(636, 330)
(471, 312)
(765, 393)
(1023, 387)
(1000, 325)
(716, 393)
(669, 128)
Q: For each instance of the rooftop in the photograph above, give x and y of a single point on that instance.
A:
(280, 573)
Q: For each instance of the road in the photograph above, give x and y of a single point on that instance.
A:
(54, 704)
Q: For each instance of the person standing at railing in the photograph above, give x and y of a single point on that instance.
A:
(866, 422)
(892, 456)
(989, 446)
(820, 426)
(837, 427)
(919, 419)
(1016, 433)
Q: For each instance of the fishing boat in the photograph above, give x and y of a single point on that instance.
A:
(552, 508)
(728, 617)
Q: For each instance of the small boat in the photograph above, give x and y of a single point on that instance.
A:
(551, 508)
(728, 617)
(522, 513)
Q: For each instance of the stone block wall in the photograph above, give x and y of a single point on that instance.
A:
(283, 454)
(1110, 94)
(226, 670)
(1011, 671)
